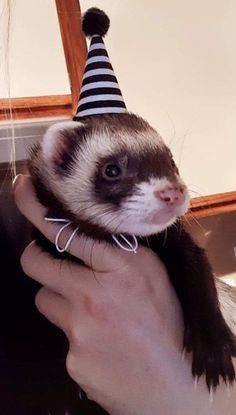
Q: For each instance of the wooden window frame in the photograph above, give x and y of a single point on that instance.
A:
(212, 205)
(75, 49)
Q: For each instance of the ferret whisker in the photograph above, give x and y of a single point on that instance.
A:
(127, 217)
(165, 237)
(144, 239)
(81, 209)
(173, 133)
(113, 220)
(194, 191)
(181, 226)
(175, 225)
(147, 241)
(131, 201)
(135, 201)
(87, 202)
(105, 213)
(144, 209)
(117, 227)
(101, 214)
(181, 139)
(178, 228)
(85, 209)
(191, 186)
(185, 219)
(192, 217)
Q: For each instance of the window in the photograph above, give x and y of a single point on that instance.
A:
(27, 24)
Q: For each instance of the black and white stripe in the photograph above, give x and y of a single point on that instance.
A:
(100, 92)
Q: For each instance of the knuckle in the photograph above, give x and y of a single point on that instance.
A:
(71, 366)
(74, 335)
(40, 299)
(25, 260)
(31, 258)
(96, 308)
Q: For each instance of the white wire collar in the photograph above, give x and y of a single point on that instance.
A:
(120, 240)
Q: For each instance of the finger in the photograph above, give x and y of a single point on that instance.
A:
(54, 307)
(27, 202)
(98, 255)
(57, 275)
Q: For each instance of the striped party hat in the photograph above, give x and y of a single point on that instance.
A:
(100, 92)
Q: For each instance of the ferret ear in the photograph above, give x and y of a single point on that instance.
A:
(59, 142)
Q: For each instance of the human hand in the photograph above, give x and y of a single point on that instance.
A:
(122, 320)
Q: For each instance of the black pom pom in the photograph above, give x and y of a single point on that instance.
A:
(95, 22)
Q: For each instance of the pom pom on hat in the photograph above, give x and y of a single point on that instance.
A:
(95, 22)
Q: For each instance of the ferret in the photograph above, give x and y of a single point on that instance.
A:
(112, 174)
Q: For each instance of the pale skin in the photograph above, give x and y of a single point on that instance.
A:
(123, 322)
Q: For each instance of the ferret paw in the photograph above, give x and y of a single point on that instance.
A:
(212, 351)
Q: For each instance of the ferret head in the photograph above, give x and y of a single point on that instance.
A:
(112, 174)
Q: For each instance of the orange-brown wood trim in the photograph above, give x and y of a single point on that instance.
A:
(35, 107)
(74, 44)
(212, 205)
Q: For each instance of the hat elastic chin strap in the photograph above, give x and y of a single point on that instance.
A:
(120, 240)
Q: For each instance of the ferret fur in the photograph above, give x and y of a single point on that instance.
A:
(68, 170)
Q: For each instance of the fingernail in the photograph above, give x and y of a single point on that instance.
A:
(15, 181)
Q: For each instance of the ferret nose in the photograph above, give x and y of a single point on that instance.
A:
(171, 195)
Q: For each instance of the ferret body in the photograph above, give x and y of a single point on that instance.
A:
(113, 174)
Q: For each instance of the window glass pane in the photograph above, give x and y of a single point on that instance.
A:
(34, 51)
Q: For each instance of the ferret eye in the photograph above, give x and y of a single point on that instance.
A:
(111, 171)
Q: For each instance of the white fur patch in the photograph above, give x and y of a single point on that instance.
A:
(143, 204)
(52, 136)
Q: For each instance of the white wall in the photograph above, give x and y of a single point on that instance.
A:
(176, 65)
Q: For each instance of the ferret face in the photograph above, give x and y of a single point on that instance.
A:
(114, 172)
